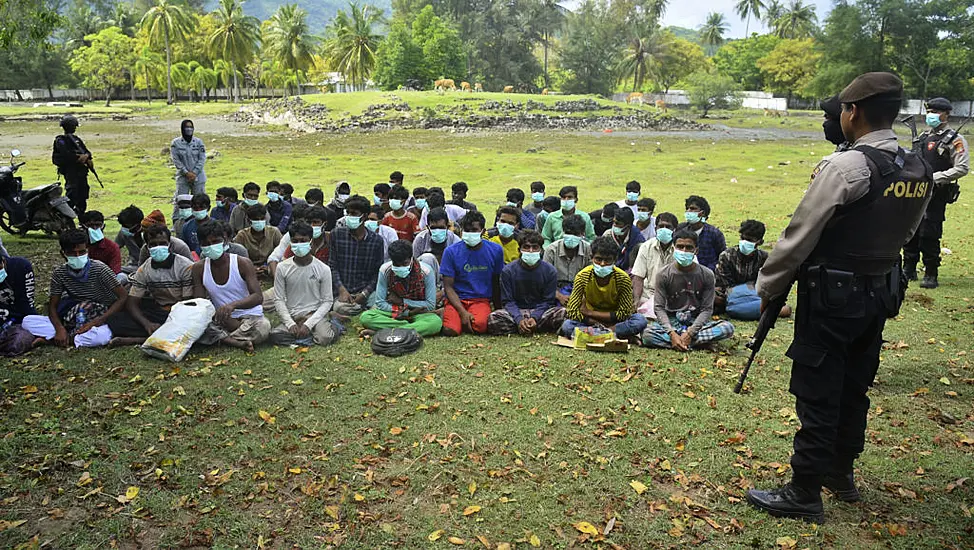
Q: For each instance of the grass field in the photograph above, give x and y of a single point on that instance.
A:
(509, 439)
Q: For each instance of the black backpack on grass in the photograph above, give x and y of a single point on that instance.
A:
(394, 342)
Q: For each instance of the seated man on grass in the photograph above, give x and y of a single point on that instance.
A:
(354, 256)
(161, 282)
(711, 240)
(373, 224)
(430, 243)
(201, 214)
(548, 206)
(278, 209)
(226, 201)
(100, 248)
(459, 196)
(419, 203)
(380, 196)
(603, 218)
(251, 197)
(260, 239)
(230, 282)
(515, 198)
(569, 255)
(16, 302)
(183, 212)
(645, 221)
(684, 302)
(405, 224)
(505, 232)
(537, 201)
(625, 234)
(471, 273)
(405, 295)
(653, 256)
(303, 295)
(129, 238)
(175, 243)
(633, 189)
(552, 226)
(737, 274)
(602, 296)
(84, 293)
(528, 288)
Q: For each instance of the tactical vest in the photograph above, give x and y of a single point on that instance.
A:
(932, 145)
(865, 237)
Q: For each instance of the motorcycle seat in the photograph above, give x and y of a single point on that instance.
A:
(41, 188)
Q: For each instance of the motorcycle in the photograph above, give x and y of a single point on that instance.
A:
(41, 208)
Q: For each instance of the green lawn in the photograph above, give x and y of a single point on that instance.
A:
(335, 447)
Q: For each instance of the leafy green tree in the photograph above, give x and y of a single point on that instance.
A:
(145, 66)
(738, 59)
(682, 58)
(440, 47)
(352, 42)
(235, 38)
(710, 90)
(398, 59)
(773, 9)
(643, 57)
(588, 49)
(747, 8)
(712, 32)
(105, 64)
(790, 67)
(167, 20)
(798, 21)
(287, 39)
(27, 22)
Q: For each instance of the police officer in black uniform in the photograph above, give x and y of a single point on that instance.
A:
(843, 244)
(946, 151)
(73, 160)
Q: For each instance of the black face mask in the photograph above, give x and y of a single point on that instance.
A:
(833, 131)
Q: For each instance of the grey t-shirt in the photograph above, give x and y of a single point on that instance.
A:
(684, 291)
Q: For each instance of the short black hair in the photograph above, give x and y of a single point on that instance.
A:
(420, 191)
(436, 214)
(667, 217)
(72, 238)
(435, 189)
(250, 186)
(212, 228)
(435, 200)
(685, 234)
(624, 215)
(299, 212)
(509, 210)
(91, 216)
(753, 227)
(155, 230)
(470, 218)
(201, 200)
(396, 177)
(272, 183)
(605, 246)
(537, 187)
(515, 195)
(381, 188)
(573, 224)
(634, 186)
(459, 187)
(300, 228)
(130, 215)
(317, 212)
(399, 192)
(400, 250)
(530, 236)
(551, 204)
(257, 211)
(700, 202)
(228, 192)
(610, 209)
(357, 203)
(880, 112)
(568, 189)
(314, 195)
(287, 189)
(377, 210)
(647, 203)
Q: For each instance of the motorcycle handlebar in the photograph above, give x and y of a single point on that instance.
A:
(18, 165)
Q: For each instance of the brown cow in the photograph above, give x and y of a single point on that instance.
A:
(544, 92)
(444, 84)
(477, 87)
(465, 86)
(508, 89)
(775, 113)
(635, 97)
(660, 105)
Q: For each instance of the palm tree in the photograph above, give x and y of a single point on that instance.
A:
(712, 32)
(772, 11)
(170, 20)
(797, 21)
(287, 39)
(234, 39)
(352, 42)
(549, 16)
(642, 57)
(203, 80)
(182, 76)
(747, 8)
(147, 62)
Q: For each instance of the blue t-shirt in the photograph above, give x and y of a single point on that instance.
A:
(473, 271)
(189, 236)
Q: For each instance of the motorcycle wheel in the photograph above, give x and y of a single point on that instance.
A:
(6, 222)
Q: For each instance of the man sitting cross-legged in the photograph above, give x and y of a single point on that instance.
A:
(405, 294)
(230, 282)
(159, 283)
(569, 254)
(354, 256)
(471, 274)
(653, 256)
(260, 239)
(602, 295)
(737, 274)
(303, 295)
(528, 288)
(684, 302)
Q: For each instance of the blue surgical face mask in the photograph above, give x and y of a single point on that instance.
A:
(602, 270)
(200, 214)
(372, 225)
(618, 231)
(693, 217)
(220, 203)
(78, 262)
(402, 271)
(438, 236)
(746, 247)
(664, 235)
(315, 231)
(250, 202)
(420, 203)
(567, 204)
(933, 120)
(632, 196)
(258, 225)
(376, 200)
(395, 204)
(606, 220)
(537, 197)
(512, 204)
(683, 258)
(644, 216)
(95, 235)
(471, 238)
(159, 253)
(531, 258)
(3, 274)
(273, 197)
(505, 230)
(185, 213)
(126, 233)
(301, 249)
(572, 241)
(213, 251)
(353, 222)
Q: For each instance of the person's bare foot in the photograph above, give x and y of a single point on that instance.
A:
(38, 342)
(785, 311)
(366, 333)
(120, 341)
(335, 315)
(245, 345)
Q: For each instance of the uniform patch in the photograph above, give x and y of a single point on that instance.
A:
(817, 170)
(959, 146)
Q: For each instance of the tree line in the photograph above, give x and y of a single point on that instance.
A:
(601, 47)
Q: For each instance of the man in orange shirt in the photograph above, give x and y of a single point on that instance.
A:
(405, 223)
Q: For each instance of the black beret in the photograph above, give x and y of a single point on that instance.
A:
(939, 104)
(879, 85)
(832, 106)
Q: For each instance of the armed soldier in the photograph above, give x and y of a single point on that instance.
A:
(73, 161)
(843, 244)
(946, 151)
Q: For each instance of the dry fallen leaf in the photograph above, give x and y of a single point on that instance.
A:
(483, 540)
(785, 543)
(471, 510)
(435, 535)
(456, 540)
(4, 524)
(395, 430)
(266, 416)
(503, 546)
(637, 486)
(586, 527)
(472, 488)
(534, 541)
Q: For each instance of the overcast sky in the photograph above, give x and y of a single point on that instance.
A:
(692, 13)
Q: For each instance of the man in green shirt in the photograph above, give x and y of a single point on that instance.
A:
(552, 226)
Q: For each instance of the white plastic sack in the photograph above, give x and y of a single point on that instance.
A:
(186, 322)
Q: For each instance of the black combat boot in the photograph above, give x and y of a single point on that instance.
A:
(910, 268)
(930, 278)
(843, 486)
(790, 501)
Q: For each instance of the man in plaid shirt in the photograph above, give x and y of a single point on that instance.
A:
(355, 257)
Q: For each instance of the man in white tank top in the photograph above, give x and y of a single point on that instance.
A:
(230, 282)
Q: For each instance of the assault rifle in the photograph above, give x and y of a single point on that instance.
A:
(767, 321)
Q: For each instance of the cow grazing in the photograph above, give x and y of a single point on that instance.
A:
(775, 113)
(635, 97)
(465, 86)
(660, 105)
(508, 89)
(477, 87)
(544, 92)
(444, 84)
